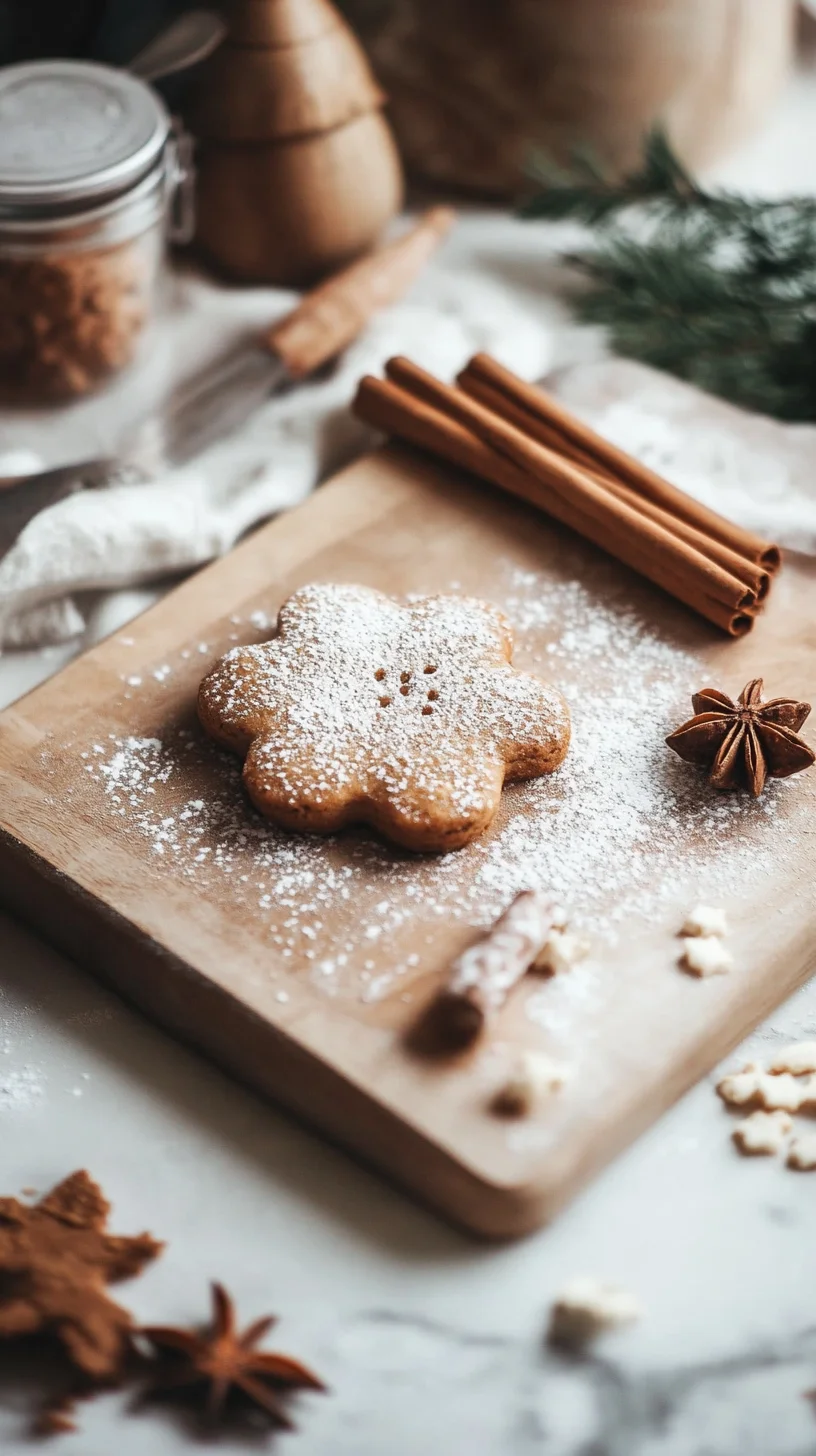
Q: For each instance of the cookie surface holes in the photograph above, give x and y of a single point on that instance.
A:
(405, 677)
(405, 690)
(379, 674)
(430, 668)
(433, 695)
(385, 702)
(426, 710)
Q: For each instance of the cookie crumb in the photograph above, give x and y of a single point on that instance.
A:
(780, 1089)
(802, 1152)
(705, 955)
(587, 1307)
(796, 1059)
(763, 1133)
(705, 920)
(534, 1075)
(775, 1091)
(563, 950)
(739, 1089)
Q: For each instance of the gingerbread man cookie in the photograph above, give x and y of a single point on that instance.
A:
(408, 718)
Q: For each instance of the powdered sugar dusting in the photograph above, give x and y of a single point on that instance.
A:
(21, 1085)
(617, 833)
(20, 1088)
(404, 714)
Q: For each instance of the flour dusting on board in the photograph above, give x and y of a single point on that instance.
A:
(613, 834)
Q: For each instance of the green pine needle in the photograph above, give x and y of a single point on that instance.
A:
(717, 288)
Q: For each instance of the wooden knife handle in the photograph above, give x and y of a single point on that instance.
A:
(331, 316)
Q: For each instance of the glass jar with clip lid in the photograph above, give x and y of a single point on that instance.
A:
(95, 179)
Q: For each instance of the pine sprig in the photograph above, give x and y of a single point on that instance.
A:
(587, 193)
(715, 287)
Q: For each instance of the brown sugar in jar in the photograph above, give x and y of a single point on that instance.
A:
(68, 323)
(88, 173)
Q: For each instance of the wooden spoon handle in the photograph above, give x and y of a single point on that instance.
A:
(332, 315)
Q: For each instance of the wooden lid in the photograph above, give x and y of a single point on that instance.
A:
(280, 22)
(283, 88)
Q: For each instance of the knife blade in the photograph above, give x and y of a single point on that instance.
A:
(204, 410)
(217, 400)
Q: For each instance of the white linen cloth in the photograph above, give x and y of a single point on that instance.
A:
(489, 288)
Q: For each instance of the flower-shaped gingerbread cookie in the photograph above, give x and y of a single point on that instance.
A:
(363, 710)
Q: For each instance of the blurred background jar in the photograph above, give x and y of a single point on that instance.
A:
(91, 185)
(474, 83)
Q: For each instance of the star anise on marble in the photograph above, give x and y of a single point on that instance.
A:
(221, 1362)
(746, 742)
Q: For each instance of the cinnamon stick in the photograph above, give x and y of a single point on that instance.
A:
(579, 501)
(756, 577)
(610, 524)
(478, 418)
(540, 415)
(482, 977)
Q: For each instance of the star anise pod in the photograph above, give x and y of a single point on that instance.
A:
(222, 1361)
(746, 742)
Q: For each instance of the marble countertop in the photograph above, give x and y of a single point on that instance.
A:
(430, 1342)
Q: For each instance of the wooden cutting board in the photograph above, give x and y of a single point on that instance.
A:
(303, 965)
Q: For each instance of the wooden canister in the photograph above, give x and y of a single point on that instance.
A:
(298, 171)
(474, 83)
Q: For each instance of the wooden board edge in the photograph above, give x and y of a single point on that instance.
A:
(209, 1019)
